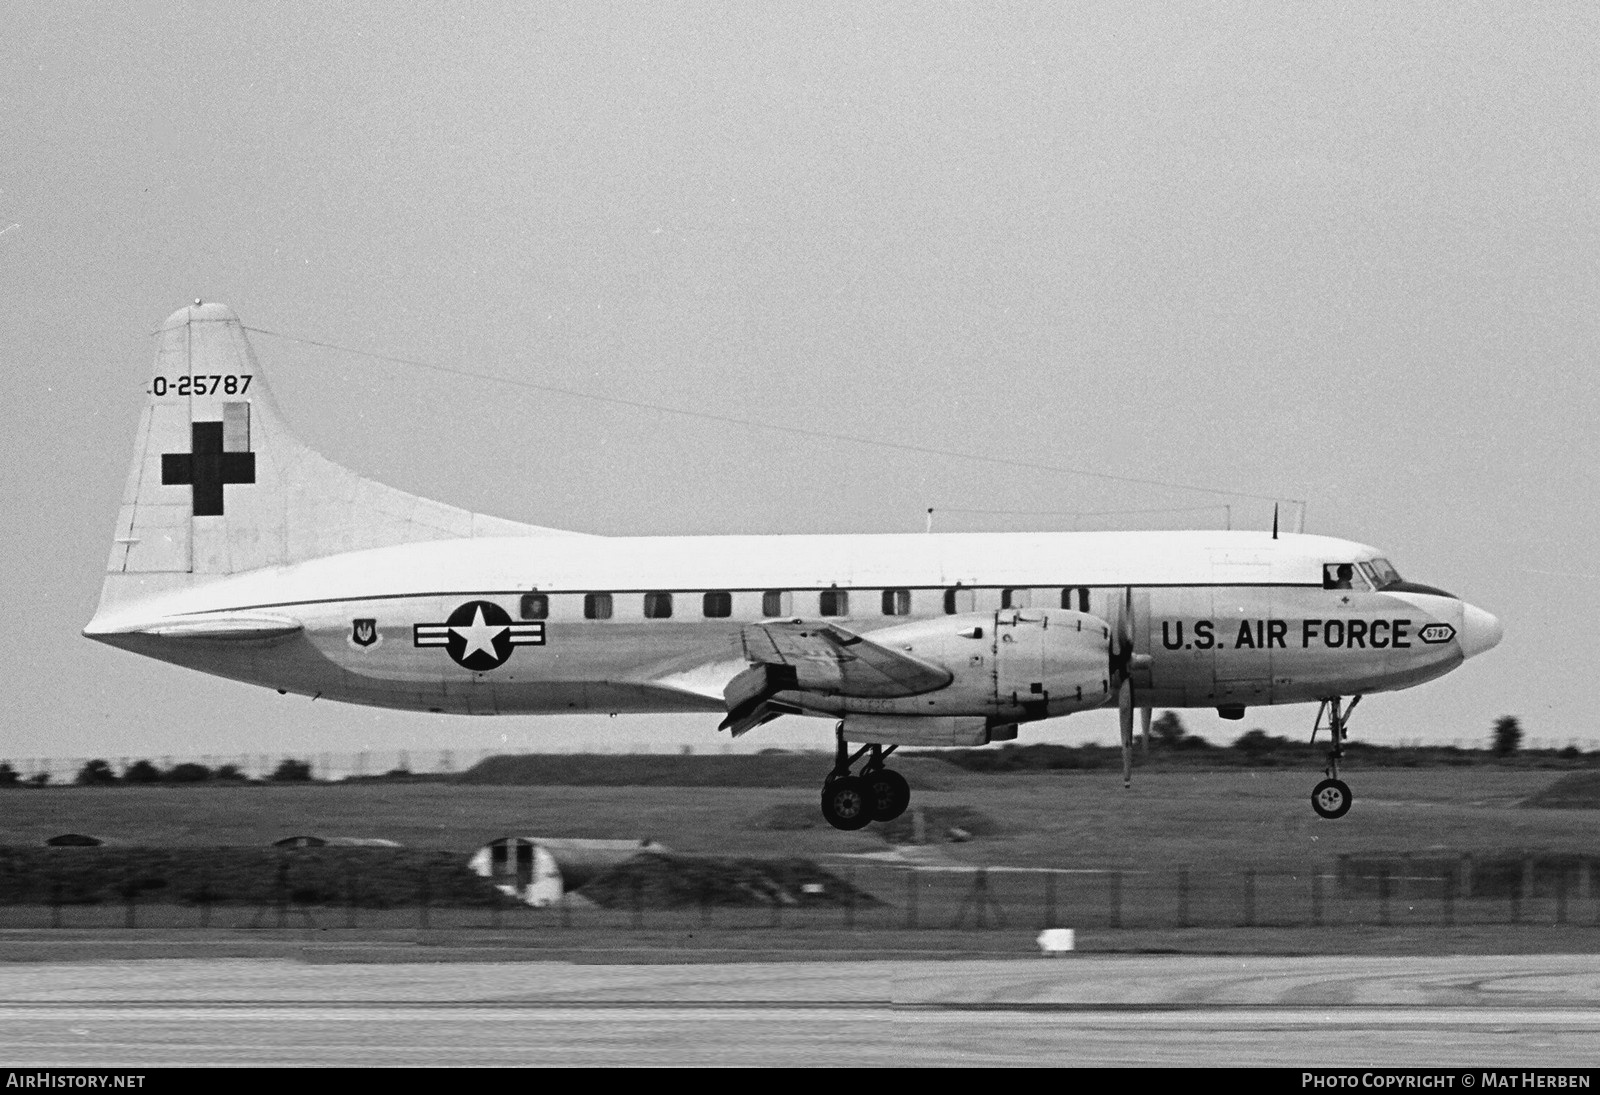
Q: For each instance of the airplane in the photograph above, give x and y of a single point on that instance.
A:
(241, 552)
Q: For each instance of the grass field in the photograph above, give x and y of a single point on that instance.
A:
(1223, 819)
(1208, 859)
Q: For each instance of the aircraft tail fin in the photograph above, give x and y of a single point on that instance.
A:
(219, 485)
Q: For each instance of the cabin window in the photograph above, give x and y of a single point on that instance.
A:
(657, 606)
(959, 600)
(535, 606)
(1075, 593)
(897, 602)
(775, 602)
(1016, 598)
(717, 605)
(597, 606)
(835, 602)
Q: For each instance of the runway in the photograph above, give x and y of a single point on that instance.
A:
(1507, 1011)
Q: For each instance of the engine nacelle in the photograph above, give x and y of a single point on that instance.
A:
(926, 730)
(1014, 665)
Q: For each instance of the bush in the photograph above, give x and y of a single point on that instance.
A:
(96, 773)
(290, 770)
(1255, 742)
(8, 775)
(1507, 735)
(1167, 731)
(188, 773)
(142, 771)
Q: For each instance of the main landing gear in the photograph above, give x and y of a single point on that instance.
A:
(1331, 798)
(877, 794)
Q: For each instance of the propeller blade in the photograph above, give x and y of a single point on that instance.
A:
(1125, 710)
(1144, 731)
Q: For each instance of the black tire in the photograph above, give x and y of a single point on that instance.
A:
(1331, 798)
(845, 803)
(888, 794)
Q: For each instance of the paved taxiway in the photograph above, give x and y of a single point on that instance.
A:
(1527, 1011)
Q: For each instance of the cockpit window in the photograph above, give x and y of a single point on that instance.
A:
(1386, 579)
(1384, 573)
(1338, 576)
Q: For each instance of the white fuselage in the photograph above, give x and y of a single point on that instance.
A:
(1217, 619)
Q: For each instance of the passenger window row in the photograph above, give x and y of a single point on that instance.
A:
(718, 603)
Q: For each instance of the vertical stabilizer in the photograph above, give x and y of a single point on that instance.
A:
(220, 486)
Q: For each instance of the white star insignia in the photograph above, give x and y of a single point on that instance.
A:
(480, 636)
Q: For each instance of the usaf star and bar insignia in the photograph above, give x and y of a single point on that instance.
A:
(479, 636)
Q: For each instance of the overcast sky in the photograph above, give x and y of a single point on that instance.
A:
(1344, 253)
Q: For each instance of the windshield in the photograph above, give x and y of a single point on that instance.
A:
(1386, 579)
(1384, 573)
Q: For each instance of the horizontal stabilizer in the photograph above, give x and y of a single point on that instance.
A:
(218, 627)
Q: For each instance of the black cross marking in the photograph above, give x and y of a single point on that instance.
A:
(207, 468)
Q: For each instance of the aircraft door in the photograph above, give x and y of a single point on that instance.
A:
(1246, 631)
(1182, 641)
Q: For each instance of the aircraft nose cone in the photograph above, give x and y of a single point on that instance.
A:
(1479, 631)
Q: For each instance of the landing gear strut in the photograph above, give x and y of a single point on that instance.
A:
(877, 794)
(1331, 798)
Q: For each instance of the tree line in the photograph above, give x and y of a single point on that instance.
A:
(100, 773)
(1168, 736)
(1168, 732)
(1170, 742)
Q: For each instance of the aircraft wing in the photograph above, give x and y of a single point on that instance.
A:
(817, 656)
(829, 659)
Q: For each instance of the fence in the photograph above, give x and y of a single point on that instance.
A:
(856, 896)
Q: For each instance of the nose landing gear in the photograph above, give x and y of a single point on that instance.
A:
(877, 794)
(1331, 798)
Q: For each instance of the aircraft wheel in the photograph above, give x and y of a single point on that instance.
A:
(888, 794)
(846, 804)
(1331, 798)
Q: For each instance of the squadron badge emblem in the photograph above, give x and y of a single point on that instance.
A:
(364, 633)
(479, 636)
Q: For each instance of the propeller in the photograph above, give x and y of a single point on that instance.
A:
(1121, 662)
(1125, 709)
